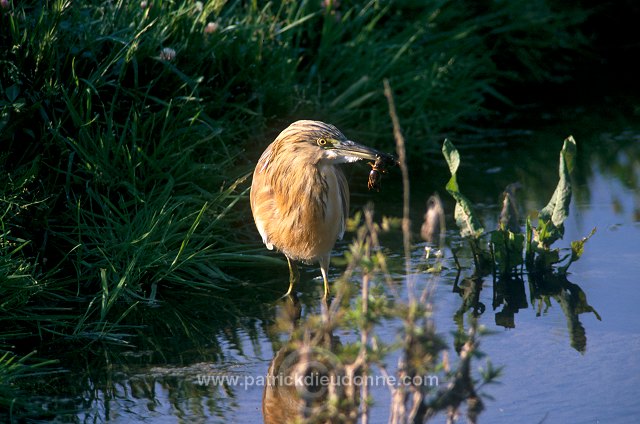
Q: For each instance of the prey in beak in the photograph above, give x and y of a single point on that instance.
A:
(350, 151)
(343, 151)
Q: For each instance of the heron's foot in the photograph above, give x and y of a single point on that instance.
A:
(289, 294)
(294, 277)
(324, 267)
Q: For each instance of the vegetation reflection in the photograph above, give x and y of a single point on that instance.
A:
(513, 256)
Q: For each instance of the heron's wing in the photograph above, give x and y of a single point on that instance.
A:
(263, 234)
(261, 196)
(344, 197)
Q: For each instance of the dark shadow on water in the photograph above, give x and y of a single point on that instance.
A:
(572, 299)
(509, 297)
(178, 344)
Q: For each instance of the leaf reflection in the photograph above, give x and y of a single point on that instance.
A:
(546, 267)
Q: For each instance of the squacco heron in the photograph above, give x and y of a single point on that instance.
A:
(300, 198)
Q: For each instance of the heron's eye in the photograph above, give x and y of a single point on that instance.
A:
(322, 142)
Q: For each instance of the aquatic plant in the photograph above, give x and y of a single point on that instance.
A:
(509, 249)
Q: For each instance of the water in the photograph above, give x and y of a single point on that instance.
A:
(549, 376)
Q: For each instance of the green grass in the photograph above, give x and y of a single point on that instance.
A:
(124, 164)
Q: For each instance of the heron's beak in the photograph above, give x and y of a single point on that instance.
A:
(354, 151)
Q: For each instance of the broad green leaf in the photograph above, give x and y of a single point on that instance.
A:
(507, 248)
(451, 155)
(552, 216)
(465, 218)
(558, 207)
(452, 185)
(577, 249)
(546, 233)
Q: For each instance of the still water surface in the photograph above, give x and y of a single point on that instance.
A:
(549, 375)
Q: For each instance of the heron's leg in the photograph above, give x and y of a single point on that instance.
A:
(294, 276)
(324, 269)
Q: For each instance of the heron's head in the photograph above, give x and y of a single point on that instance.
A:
(328, 141)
